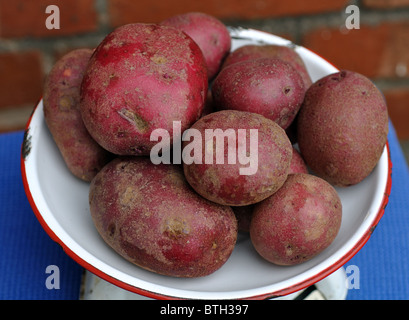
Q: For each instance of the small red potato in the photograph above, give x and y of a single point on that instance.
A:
(140, 78)
(342, 127)
(211, 35)
(297, 222)
(61, 98)
(267, 86)
(236, 158)
(149, 215)
(285, 53)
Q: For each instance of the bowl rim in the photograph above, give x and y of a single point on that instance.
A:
(154, 295)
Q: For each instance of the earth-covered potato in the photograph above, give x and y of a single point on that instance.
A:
(342, 127)
(140, 78)
(211, 35)
(236, 158)
(149, 215)
(83, 156)
(297, 222)
(267, 86)
(288, 54)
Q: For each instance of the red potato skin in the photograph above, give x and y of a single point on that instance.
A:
(140, 78)
(298, 222)
(342, 127)
(297, 164)
(82, 155)
(267, 86)
(211, 35)
(222, 183)
(284, 53)
(149, 215)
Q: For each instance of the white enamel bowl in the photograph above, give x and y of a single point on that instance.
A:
(60, 202)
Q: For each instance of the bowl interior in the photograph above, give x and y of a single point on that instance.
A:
(60, 202)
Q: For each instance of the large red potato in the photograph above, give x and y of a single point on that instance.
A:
(342, 127)
(267, 86)
(149, 215)
(142, 77)
(211, 35)
(82, 155)
(297, 222)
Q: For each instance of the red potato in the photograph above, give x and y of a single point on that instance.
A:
(82, 155)
(211, 35)
(297, 164)
(142, 77)
(342, 127)
(297, 222)
(292, 130)
(260, 170)
(149, 215)
(285, 53)
(267, 86)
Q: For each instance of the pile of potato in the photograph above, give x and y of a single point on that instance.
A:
(182, 219)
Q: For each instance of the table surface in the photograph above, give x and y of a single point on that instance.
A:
(30, 260)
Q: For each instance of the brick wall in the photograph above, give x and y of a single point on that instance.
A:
(379, 48)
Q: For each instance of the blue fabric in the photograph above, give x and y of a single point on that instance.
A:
(26, 250)
(383, 263)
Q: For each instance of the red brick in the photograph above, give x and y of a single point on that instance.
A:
(375, 51)
(398, 108)
(15, 118)
(128, 11)
(21, 80)
(385, 4)
(22, 18)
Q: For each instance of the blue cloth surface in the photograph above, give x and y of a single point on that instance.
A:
(26, 250)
